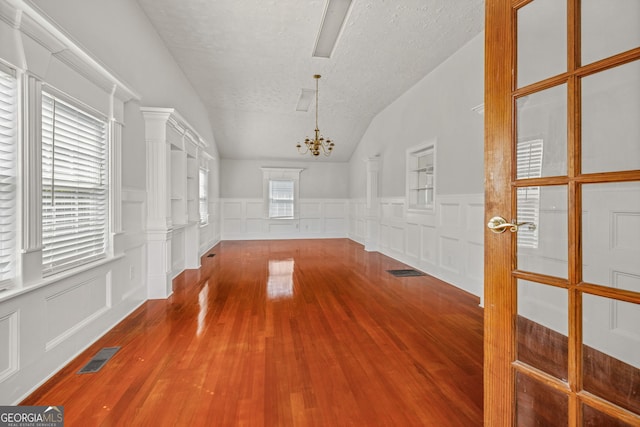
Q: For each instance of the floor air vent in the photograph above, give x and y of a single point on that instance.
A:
(99, 360)
(406, 273)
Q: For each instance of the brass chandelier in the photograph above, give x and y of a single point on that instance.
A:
(318, 144)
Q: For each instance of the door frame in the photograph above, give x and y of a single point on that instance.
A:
(500, 274)
(499, 299)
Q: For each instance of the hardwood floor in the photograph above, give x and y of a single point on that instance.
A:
(243, 341)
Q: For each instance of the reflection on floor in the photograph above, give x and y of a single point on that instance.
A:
(280, 333)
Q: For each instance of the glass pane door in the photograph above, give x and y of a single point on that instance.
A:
(572, 300)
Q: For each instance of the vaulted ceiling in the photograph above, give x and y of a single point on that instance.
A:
(250, 59)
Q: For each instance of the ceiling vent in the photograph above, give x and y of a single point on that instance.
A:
(305, 99)
(335, 15)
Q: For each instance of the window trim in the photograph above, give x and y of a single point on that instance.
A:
(281, 174)
(420, 179)
(49, 269)
(106, 92)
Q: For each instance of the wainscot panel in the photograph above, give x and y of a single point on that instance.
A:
(446, 243)
(90, 297)
(244, 219)
(9, 344)
(45, 325)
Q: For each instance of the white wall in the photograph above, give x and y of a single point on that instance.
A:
(118, 34)
(45, 323)
(438, 107)
(323, 205)
(243, 178)
(446, 242)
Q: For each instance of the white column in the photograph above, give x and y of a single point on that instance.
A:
(169, 135)
(158, 169)
(159, 280)
(158, 203)
(372, 214)
(31, 165)
(115, 184)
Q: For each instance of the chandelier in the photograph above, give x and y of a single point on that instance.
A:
(318, 144)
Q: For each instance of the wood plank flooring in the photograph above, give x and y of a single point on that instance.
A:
(243, 341)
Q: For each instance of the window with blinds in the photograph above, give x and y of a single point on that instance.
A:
(74, 185)
(281, 199)
(204, 202)
(529, 165)
(8, 199)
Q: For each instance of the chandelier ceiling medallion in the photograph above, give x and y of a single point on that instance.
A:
(318, 144)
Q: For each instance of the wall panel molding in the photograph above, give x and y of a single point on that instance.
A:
(9, 344)
(243, 219)
(44, 327)
(446, 243)
(91, 298)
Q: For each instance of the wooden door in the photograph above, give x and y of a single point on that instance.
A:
(562, 150)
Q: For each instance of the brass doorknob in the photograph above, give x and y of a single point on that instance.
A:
(497, 224)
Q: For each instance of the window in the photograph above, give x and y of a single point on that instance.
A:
(529, 165)
(421, 188)
(281, 199)
(8, 160)
(203, 192)
(529, 159)
(280, 192)
(74, 185)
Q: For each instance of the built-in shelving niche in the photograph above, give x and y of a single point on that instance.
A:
(175, 153)
(421, 185)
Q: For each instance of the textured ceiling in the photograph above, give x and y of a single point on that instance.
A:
(249, 59)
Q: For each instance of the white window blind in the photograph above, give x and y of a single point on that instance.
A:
(203, 191)
(74, 185)
(281, 199)
(529, 165)
(8, 193)
(529, 159)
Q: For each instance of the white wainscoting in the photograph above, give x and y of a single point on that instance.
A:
(244, 219)
(447, 243)
(46, 324)
(8, 344)
(210, 233)
(134, 245)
